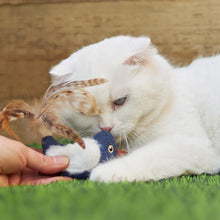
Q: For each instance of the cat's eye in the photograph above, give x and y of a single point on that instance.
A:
(110, 149)
(120, 102)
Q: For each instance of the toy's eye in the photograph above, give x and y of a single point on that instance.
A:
(120, 101)
(110, 149)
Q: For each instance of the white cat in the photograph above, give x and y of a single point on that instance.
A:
(168, 118)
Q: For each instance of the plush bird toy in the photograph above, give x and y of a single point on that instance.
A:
(99, 149)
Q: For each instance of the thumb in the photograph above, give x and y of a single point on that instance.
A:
(45, 164)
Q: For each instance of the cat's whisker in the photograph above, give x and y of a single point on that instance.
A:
(130, 140)
(133, 139)
(126, 141)
(124, 137)
(138, 137)
(120, 140)
(142, 139)
(138, 131)
(139, 134)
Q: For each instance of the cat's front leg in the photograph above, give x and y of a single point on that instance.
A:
(116, 170)
(164, 158)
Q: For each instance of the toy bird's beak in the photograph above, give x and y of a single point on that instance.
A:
(121, 152)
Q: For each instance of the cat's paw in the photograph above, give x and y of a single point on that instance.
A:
(110, 172)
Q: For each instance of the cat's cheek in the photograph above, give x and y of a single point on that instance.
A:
(110, 172)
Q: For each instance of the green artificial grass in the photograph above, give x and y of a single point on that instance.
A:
(195, 197)
(187, 197)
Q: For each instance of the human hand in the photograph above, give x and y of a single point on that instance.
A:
(20, 165)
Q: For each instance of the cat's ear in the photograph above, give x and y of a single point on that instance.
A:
(63, 69)
(144, 49)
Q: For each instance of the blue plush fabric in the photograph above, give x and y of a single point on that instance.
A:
(106, 144)
(105, 141)
(80, 176)
(47, 142)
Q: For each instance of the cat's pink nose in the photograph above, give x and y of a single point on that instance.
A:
(106, 129)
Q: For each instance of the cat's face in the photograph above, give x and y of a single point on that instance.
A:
(138, 81)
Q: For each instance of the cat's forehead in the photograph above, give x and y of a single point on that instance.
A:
(100, 59)
(113, 49)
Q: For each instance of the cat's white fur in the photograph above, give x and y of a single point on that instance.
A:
(170, 122)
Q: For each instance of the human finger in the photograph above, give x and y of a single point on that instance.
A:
(12, 159)
(45, 164)
(4, 180)
(14, 179)
(37, 180)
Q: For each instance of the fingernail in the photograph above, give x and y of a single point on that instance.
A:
(61, 160)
